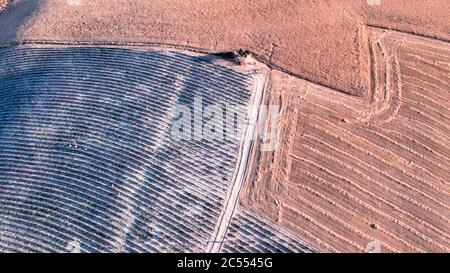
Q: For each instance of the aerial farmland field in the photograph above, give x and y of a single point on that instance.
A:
(202, 127)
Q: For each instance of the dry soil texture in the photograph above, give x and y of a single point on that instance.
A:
(322, 41)
(349, 171)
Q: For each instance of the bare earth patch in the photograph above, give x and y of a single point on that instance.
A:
(351, 171)
(363, 152)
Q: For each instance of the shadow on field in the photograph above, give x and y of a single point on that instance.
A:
(15, 17)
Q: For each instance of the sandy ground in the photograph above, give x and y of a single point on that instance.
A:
(3, 4)
(350, 172)
(322, 41)
(363, 152)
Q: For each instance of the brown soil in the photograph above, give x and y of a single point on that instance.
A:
(322, 41)
(349, 171)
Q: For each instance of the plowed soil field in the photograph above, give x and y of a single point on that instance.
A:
(350, 171)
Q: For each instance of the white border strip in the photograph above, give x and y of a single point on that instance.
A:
(250, 137)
